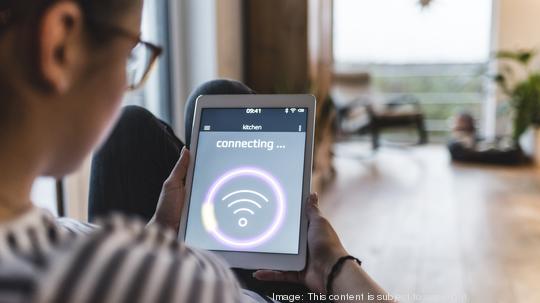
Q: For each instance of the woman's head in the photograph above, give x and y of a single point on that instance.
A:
(63, 74)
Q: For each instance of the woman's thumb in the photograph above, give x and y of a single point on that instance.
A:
(179, 172)
(313, 206)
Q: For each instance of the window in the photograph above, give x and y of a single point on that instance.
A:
(44, 194)
(438, 54)
(155, 96)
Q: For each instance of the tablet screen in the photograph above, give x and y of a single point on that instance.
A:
(246, 192)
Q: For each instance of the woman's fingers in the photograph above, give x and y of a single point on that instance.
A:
(277, 276)
(312, 208)
(184, 164)
(171, 199)
(179, 172)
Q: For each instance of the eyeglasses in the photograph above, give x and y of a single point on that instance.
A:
(140, 63)
(142, 59)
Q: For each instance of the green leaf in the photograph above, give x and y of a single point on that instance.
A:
(520, 56)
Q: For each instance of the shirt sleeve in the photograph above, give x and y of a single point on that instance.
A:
(125, 262)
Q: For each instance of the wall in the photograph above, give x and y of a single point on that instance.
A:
(230, 53)
(516, 26)
(206, 43)
(519, 24)
(193, 49)
(201, 42)
(76, 188)
(276, 45)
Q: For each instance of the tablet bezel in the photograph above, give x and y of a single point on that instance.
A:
(257, 260)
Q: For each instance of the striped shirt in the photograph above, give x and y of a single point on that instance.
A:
(44, 259)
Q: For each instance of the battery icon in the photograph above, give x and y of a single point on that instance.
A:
(300, 110)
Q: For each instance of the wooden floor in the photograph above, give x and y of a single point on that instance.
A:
(435, 231)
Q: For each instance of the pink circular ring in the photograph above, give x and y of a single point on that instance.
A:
(278, 219)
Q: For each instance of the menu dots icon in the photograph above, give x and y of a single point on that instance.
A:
(243, 203)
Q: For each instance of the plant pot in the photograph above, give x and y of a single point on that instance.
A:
(530, 143)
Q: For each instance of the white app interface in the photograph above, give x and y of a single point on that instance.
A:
(247, 185)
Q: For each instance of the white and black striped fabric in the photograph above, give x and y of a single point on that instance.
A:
(43, 259)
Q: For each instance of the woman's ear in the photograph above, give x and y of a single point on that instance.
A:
(59, 38)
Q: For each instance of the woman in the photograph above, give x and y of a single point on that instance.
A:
(62, 79)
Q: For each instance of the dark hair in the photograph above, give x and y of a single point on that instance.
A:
(95, 12)
(26, 14)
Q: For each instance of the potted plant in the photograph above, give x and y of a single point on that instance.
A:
(521, 85)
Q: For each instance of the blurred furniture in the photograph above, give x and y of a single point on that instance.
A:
(394, 117)
(360, 111)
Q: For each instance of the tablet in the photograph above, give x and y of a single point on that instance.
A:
(249, 179)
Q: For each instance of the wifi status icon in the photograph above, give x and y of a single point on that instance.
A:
(243, 203)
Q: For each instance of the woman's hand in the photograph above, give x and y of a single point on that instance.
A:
(173, 193)
(324, 249)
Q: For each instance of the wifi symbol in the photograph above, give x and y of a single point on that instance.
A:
(244, 204)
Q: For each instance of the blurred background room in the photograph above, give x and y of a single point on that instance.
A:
(427, 142)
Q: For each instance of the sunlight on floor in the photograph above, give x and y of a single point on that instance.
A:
(443, 232)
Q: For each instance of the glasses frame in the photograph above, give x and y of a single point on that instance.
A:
(156, 51)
